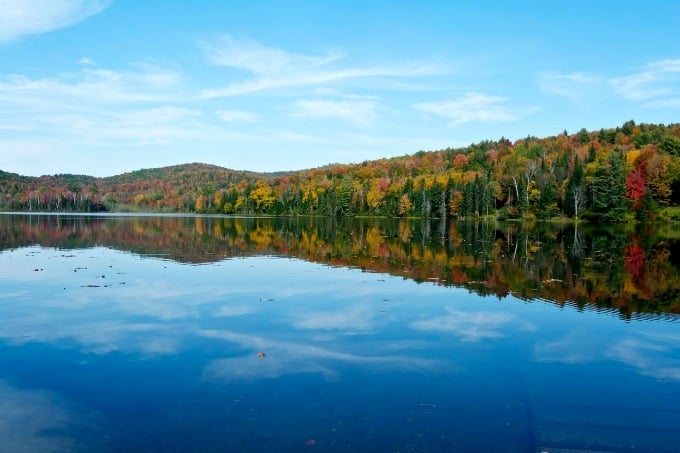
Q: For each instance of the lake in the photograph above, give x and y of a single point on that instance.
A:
(190, 333)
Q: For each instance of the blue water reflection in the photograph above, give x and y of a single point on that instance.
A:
(110, 350)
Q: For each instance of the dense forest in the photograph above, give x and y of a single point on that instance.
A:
(631, 172)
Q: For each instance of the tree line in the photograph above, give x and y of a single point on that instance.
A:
(630, 172)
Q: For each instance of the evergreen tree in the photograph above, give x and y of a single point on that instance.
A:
(608, 189)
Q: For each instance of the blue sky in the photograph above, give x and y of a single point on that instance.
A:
(102, 87)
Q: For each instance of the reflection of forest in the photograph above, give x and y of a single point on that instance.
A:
(614, 268)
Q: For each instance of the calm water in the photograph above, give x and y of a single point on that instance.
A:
(210, 334)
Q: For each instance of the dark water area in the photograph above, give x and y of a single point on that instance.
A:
(146, 333)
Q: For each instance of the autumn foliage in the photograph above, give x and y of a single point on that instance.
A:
(610, 267)
(597, 176)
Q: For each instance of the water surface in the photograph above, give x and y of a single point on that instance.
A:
(212, 334)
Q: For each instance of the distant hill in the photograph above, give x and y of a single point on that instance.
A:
(631, 171)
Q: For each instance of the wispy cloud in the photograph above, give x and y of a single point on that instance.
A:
(41, 420)
(359, 318)
(357, 112)
(231, 310)
(657, 84)
(28, 17)
(289, 357)
(474, 326)
(236, 116)
(255, 58)
(651, 355)
(94, 85)
(568, 349)
(569, 85)
(143, 104)
(476, 107)
(271, 68)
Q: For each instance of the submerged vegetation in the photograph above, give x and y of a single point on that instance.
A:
(631, 172)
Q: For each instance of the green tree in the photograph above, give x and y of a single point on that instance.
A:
(608, 189)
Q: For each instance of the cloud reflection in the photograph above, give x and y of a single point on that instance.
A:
(567, 350)
(468, 326)
(650, 355)
(359, 318)
(38, 420)
(287, 358)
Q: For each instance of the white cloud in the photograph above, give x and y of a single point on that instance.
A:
(657, 84)
(288, 358)
(649, 353)
(253, 57)
(86, 61)
(474, 326)
(228, 311)
(360, 318)
(162, 114)
(237, 116)
(568, 349)
(569, 85)
(475, 107)
(41, 420)
(358, 112)
(272, 68)
(651, 356)
(101, 106)
(93, 85)
(27, 17)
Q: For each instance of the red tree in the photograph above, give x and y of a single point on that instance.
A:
(636, 187)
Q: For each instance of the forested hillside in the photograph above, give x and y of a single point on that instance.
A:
(629, 172)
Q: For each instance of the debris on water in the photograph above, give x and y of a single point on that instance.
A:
(262, 299)
(261, 355)
(90, 286)
(37, 270)
(310, 442)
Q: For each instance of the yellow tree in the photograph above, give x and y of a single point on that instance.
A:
(375, 197)
(201, 202)
(263, 196)
(405, 205)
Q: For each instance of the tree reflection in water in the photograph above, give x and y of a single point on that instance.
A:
(633, 271)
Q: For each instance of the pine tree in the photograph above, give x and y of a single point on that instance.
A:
(608, 189)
